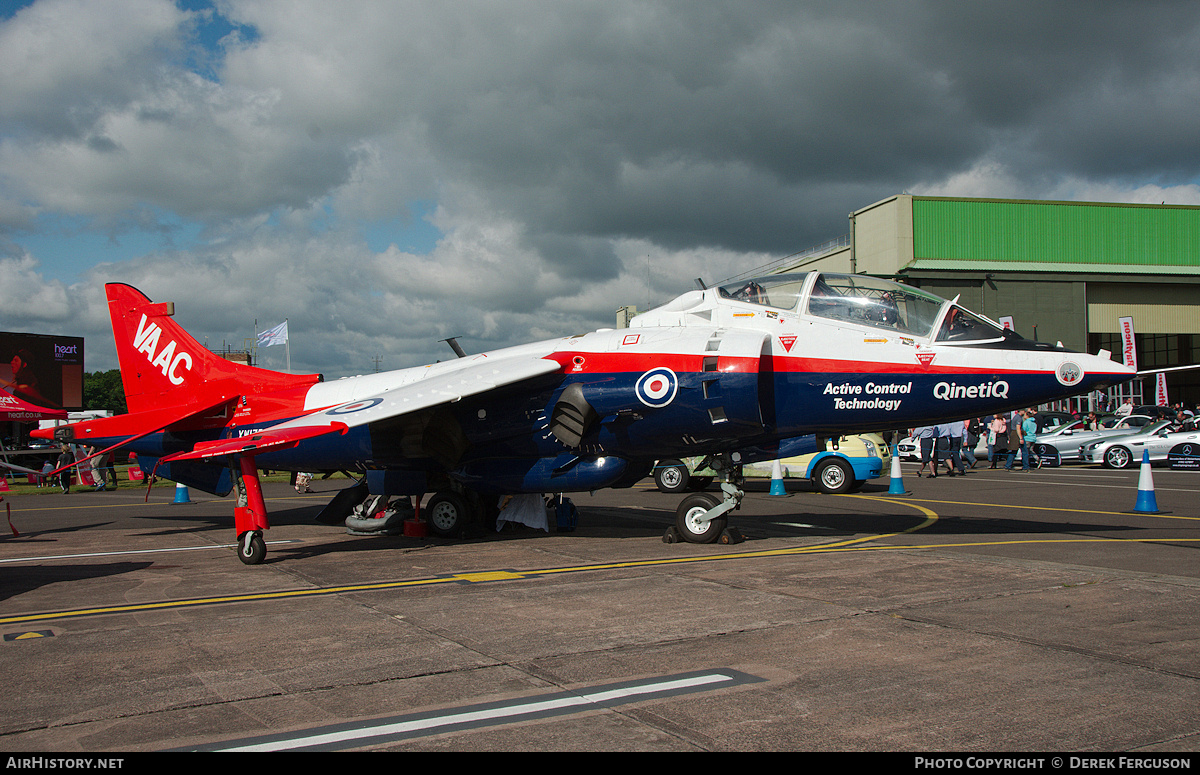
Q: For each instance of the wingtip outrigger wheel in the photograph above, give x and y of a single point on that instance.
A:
(252, 549)
(251, 520)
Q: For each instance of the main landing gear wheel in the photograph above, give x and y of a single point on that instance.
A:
(447, 514)
(689, 518)
(252, 549)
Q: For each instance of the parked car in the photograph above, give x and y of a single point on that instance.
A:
(845, 468)
(1126, 450)
(1066, 442)
(909, 448)
(856, 459)
(1049, 421)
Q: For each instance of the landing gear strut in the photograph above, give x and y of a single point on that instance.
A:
(251, 520)
(702, 517)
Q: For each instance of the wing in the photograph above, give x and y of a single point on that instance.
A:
(449, 386)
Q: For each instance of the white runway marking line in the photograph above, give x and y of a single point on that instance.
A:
(86, 555)
(552, 705)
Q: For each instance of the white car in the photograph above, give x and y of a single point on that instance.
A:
(1125, 451)
(909, 448)
(1068, 440)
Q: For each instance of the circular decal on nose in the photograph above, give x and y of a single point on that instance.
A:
(357, 406)
(1069, 373)
(657, 387)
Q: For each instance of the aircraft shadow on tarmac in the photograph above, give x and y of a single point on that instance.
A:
(599, 522)
(33, 536)
(18, 580)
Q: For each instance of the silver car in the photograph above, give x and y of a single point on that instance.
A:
(1067, 440)
(1125, 451)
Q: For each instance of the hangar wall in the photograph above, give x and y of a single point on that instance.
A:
(1064, 271)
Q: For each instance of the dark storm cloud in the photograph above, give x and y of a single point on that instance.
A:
(725, 125)
(1091, 91)
(700, 124)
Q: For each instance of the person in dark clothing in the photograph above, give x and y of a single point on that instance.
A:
(65, 459)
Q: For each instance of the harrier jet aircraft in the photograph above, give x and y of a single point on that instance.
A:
(745, 372)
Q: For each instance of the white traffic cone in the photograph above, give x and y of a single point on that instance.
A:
(777, 487)
(897, 485)
(1146, 502)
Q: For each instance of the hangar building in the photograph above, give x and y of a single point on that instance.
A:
(1063, 271)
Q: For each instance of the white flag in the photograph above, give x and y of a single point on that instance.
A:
(277, 335)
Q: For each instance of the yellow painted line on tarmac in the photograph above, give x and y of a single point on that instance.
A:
(1128, 513)
(205, 601)
(473, 578)
(858, 544)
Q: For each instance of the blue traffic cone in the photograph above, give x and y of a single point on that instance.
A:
(777, 487)
(897, 485)
(181, 493)
(1146, 502)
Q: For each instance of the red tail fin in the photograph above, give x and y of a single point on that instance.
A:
(162, 365)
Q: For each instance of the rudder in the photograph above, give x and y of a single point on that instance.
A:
(161, 364)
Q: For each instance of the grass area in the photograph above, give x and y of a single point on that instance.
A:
(20, 485)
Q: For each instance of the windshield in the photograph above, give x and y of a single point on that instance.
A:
(779, 291)
(963, 326)
(873, 302)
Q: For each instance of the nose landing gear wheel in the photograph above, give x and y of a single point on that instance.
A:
(689, 522)
(252, 549)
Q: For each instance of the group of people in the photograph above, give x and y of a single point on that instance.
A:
(101, 467)
(1180, 414)
(953, 443)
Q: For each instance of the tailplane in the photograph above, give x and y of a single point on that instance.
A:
(162, 365)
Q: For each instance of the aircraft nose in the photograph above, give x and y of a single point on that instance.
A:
(1103, 368)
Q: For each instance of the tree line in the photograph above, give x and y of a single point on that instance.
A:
(103, 390)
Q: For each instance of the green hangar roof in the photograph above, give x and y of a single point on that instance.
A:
(1018, 235)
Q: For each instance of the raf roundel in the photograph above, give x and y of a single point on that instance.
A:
(357, 406)
(657, 387)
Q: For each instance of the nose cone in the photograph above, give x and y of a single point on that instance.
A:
(1091, 372)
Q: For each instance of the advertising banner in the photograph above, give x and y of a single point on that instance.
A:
(42, 370)
(1160, 390)
(1128, 349)
(13, 408)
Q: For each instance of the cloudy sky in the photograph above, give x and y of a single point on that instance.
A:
(385, 174)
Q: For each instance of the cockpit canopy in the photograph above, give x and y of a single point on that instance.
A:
(867, 301)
